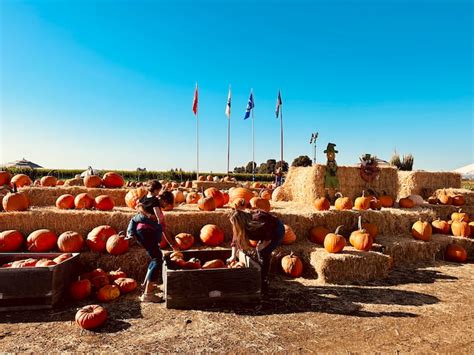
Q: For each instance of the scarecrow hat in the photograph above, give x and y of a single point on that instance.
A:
(330, 148)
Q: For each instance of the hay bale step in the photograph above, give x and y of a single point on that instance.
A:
(468, 194)
(444, 240)
(425, 183)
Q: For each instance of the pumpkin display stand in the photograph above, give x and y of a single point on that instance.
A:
(221, 185)
(35, 287)
(203, 288)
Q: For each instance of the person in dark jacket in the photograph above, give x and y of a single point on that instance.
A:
(262, 227)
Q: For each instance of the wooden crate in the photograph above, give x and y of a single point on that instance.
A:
(35, 287)
(186, 289)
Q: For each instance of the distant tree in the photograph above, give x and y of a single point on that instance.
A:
(239, 170)
(271, 163)
(248, 167)
(302, 160)
(262, 169)
(285, 166)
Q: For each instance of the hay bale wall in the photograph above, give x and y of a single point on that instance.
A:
(222, 185)
(425, 183)
(305, 184)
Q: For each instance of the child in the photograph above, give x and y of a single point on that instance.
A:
(148, 226)
(261, 226)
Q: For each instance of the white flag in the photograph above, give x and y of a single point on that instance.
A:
(227, 108)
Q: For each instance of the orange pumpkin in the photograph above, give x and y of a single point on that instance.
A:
(386, 200)
(440, 226)
(461, 229)
(96, 272)
(90, 317)
(108, 293)
(99, 281)
(21, 180)
(209, 178)
(214, 264)
(371, 228)
(178, 197)
(48, 181)
(201, 178)
(226, 198)
(15, 201)
(216, 194)
(117, 244)
(134, 195)
(421, 230)
(113, 180)
(104, 203)
(360, 239)
(444, 198)
(459, 216)
(317, 234)
(41, 240)
(80, 289)
(126, 284)
(241, 192)
(192, 198)
(10, 240)
(70, 242)
(375, 203)
(211, 235)
(260, 203)
(334, 242)
(92, 181)
(45, 263)
(97, 238)
(362, 202)
(455, 253)
(83, 201)
(406, 202)
(207, 204)
(184, 240)
(458, 200)
(65, 202)
(239, 204)
(292, 265)
(322, 204)
(5, 178)
(290, 236)
(116, 274)
(342, 203)
(266, 194)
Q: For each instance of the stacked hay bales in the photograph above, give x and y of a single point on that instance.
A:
(425, 183)
(468, 194)
(221, 185)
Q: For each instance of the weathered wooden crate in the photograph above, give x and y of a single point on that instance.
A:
(35, 287)
(186, 289)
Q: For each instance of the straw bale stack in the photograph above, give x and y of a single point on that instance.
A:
(468, 194)
(425, 183)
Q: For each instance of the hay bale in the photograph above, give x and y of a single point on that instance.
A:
(46, 196)
(305, 184)
(444, 240)
(425, 183)
(468, 194)
(444, 211)
(221, 185)
(74, 182)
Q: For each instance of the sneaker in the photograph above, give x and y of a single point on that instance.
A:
(151, 297)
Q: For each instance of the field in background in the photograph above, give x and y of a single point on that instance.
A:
(467, 184)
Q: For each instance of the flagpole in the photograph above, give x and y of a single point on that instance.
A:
(228, 137)
(253, 147)
(197, 145)
(281, 137)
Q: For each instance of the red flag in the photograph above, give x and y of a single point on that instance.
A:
(195, 100)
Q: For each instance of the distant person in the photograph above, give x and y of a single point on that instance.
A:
(148, 227)
(278, 176)
(262, 227)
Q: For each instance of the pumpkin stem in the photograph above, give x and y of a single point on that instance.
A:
(15, 190)
(338, 228)
(360, 222)
(363, 193)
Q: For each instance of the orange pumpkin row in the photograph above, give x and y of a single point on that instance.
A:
(85, 201)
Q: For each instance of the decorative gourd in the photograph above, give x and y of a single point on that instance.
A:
(70, 242)
(292, 265)
(421, 230)
(184, 240)
(405, 202)
(91, 317)
(459, 216)
(116, 274)
(455, 253)
(371, 228)
(216, 194)
(207, 204)
(290, 236)
(260, 204)
(65, 202)
(5, 178)
(10, 240)
(126, 284)
(342, 203)
(108, 293)
(45, 263)
(97, 238)
(48, 181)
(15, 201)
(211, 235)
(83, 201)
(360, 239)
(241, 192)
(461, 229)
(41, 240)
(322, 204)
(92, 181)
(362, 202)
(104, 203)
(80, 289)
(21, 180)
(192, 198)
(214, 264)
(334, 242)
(317, 234)
(386, 200)
(440, 226)
(134, 195)
(117, 244)
(112, 180)
(63, 257)
(458, 200)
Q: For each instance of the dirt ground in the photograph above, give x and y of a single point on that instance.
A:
(427, 309)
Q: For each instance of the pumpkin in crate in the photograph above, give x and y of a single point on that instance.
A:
(104, 203)
(334, 242)
(240, 192)
(21, 180)
(458, 200)
(117, 244)
(80, 289)
(460, 229)
(5, 178)
(214, 264)
(386, 200)
(290, 236)
(421, 230)
(441, 227)
(342, 203)
(406, 202)
(317, 234)
(134, 195)
(192, 263)
(15, 201)
(192, 198)
(113, 180)
(292, 265)
(322, 204)
(216, 194)
(360, 239)
(92, 181)
(45, 263)
(371, 228)
(211, 235)
(30, 262)
(459, 216)
(207, 204)
(362, 203)
(41, 240)
(116, 274)
(91, 317)
(63, 257)
(97, 238)
(260, 204)
(184, 240)
(455, 253)
(65, 202)
(126, 284)
(10, 240)
(70, 242)
(83, 201)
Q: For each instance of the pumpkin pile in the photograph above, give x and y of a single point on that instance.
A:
(445, 198)
(178, 260)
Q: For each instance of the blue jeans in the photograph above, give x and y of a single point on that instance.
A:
(265, 254)
(140, 218)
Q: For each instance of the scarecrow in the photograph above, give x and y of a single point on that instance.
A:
(331, 182)
(369, 170)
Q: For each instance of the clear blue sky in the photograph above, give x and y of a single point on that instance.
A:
(110, 83)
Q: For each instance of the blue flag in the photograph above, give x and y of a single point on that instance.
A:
(278, 105)
(250, 106)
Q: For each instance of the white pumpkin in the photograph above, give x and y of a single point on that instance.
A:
(417, 200)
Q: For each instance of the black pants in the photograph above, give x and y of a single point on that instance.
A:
(265, 254)
(150, 240)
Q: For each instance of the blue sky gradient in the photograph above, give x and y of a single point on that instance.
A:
(110, 83)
